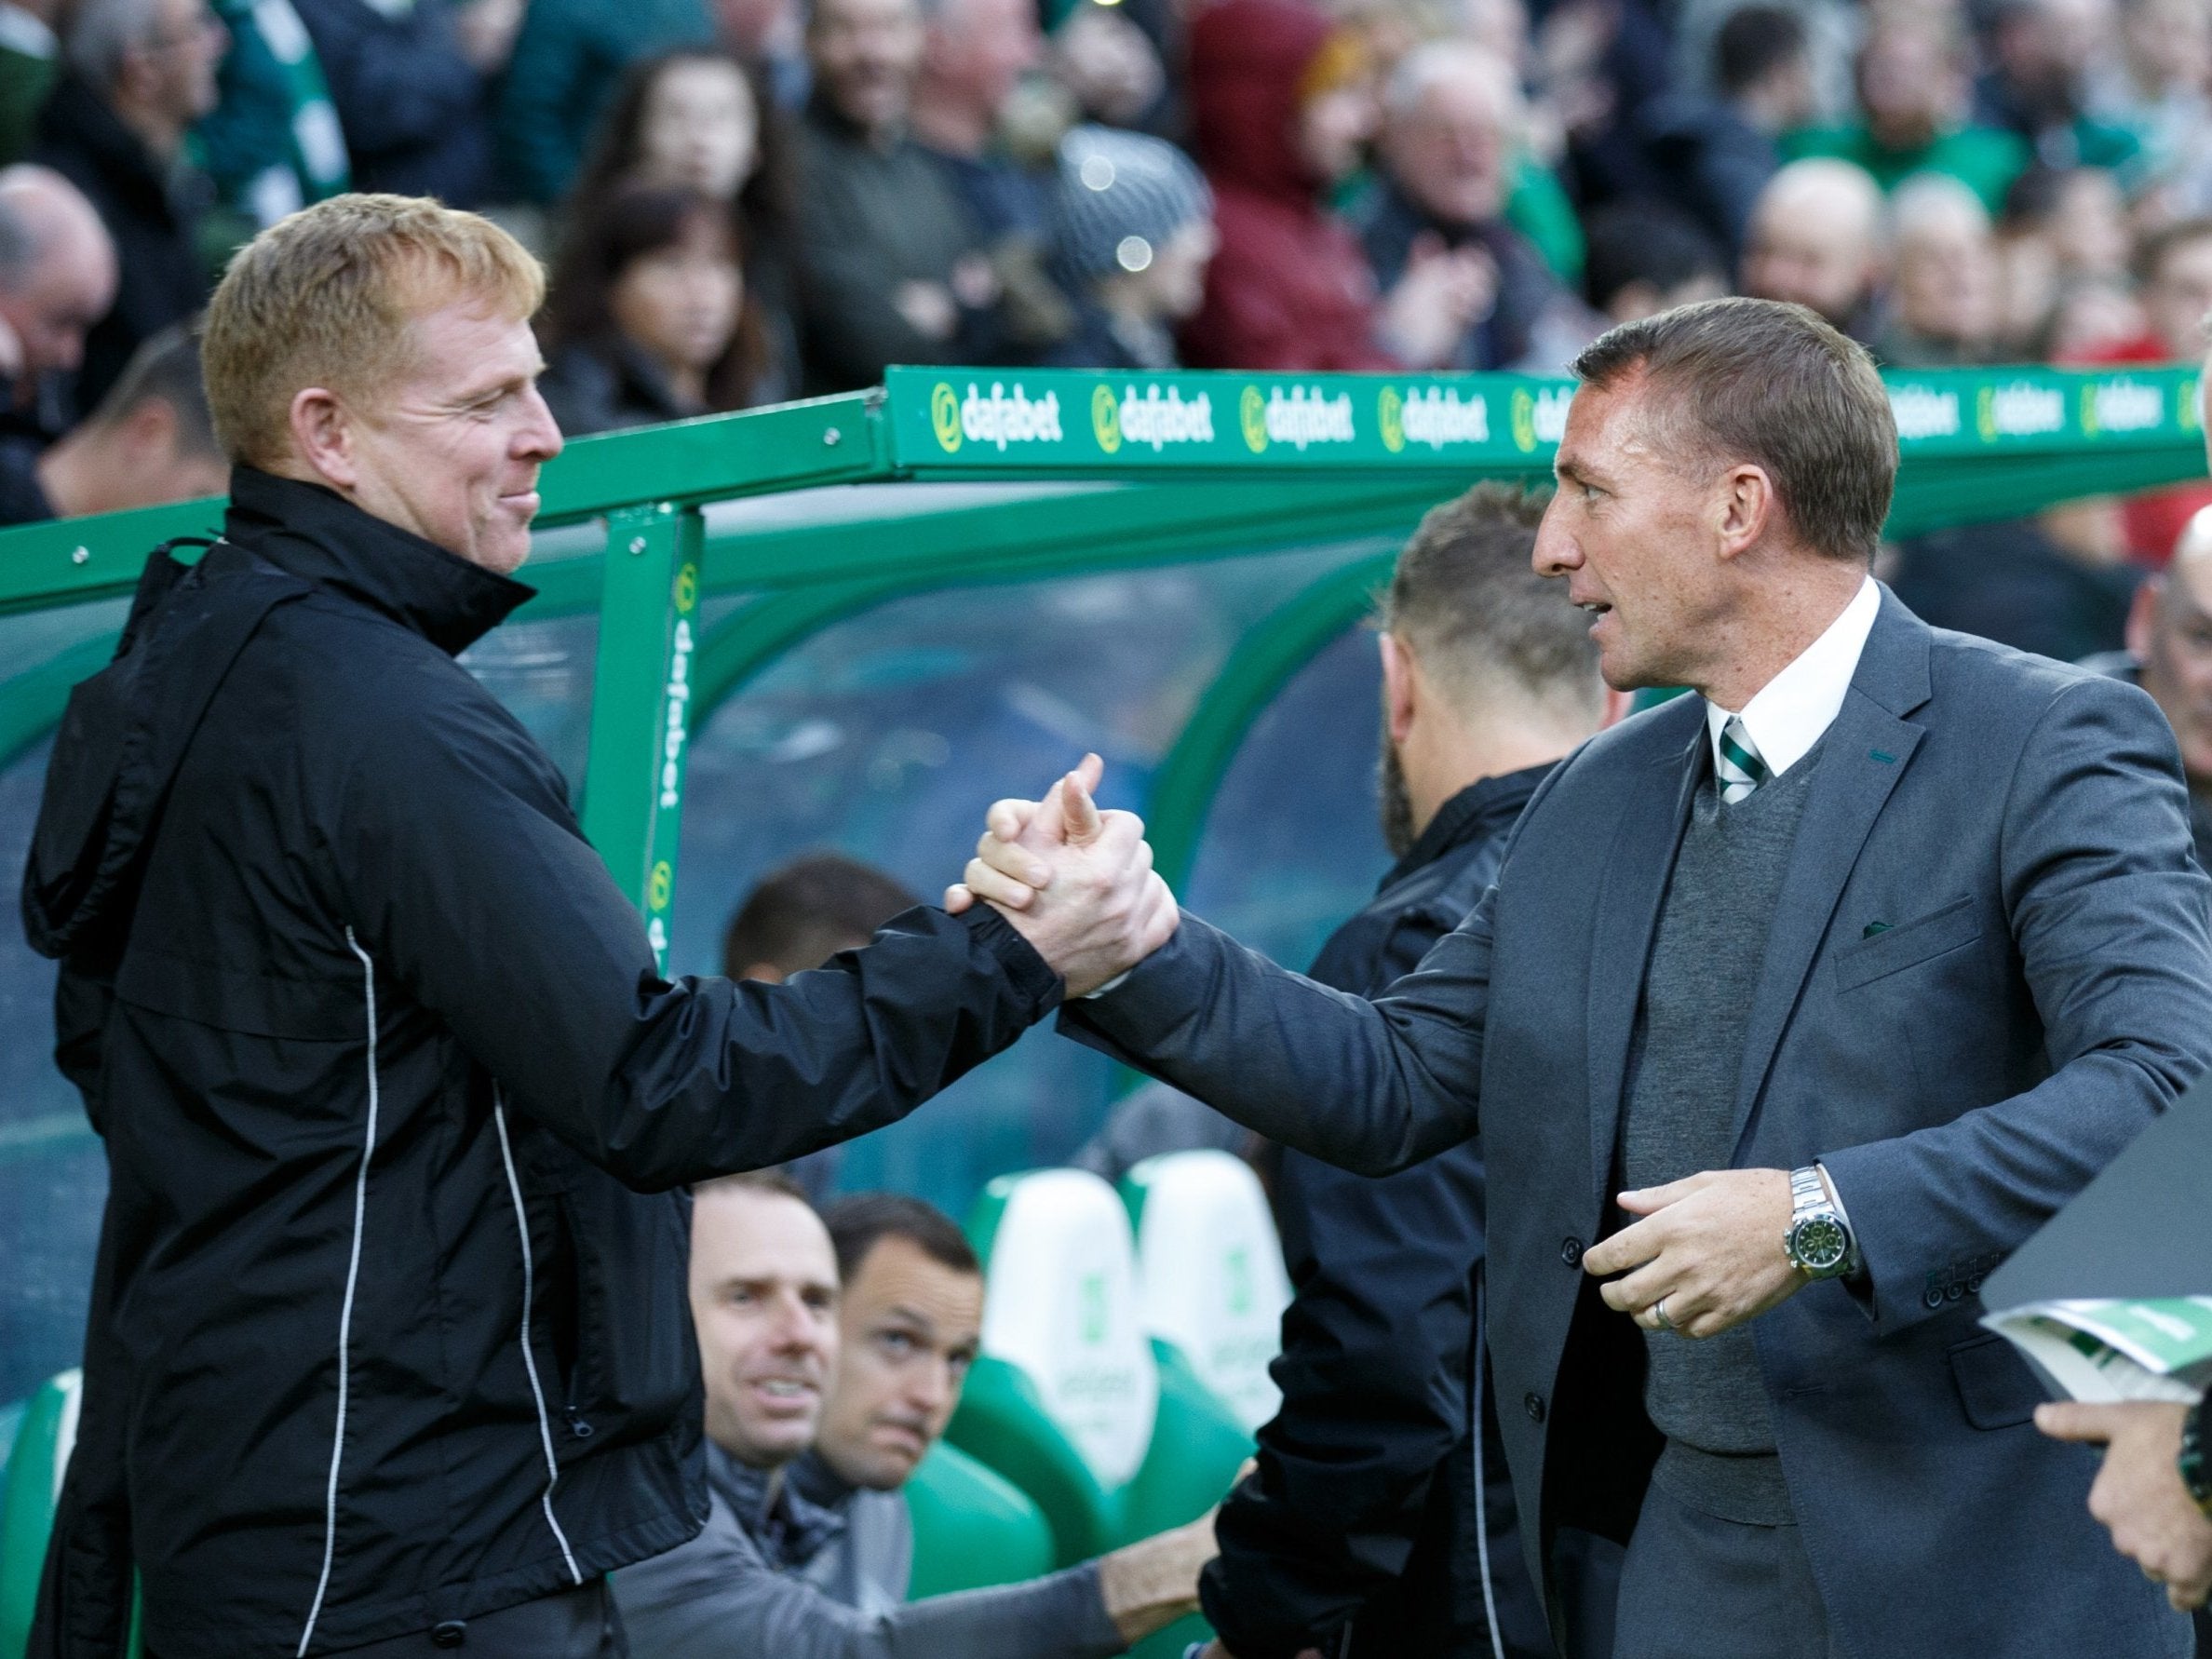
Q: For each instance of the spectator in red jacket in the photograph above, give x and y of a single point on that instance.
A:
(1282, 104)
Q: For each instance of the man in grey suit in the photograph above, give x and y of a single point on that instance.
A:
(1795, 1005)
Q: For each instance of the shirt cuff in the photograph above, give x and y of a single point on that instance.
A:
(1857, 1265)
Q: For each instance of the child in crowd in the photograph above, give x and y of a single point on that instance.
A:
(1131, 236)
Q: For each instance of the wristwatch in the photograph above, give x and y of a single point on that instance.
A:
(1819, 1244)
(2196, 1475)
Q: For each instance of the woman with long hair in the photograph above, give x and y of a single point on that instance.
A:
(697, 118)
(648, 317)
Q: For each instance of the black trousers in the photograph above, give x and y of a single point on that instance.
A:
(581, 1624)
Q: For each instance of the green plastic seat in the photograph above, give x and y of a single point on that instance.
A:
(36, 1464)
(36, 1458)
(1108, 1431)
(1211, 1266)
(972, 1526)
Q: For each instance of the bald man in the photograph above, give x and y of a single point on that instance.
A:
(1944, 300)
(2169, 655)
(56, 278)
(1818, 240)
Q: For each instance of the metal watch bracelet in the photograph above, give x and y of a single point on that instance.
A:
(2196, 1474)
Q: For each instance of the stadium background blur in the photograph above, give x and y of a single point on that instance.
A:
(742, 202)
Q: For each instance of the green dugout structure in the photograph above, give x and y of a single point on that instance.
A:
(854, 622)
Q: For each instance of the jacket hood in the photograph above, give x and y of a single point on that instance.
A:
(1246, 58)
(125, 729)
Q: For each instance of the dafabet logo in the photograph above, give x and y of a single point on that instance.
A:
(1431, 417)
(995, 418)
(1151, 418)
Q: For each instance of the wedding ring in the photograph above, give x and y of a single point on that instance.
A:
(1659, 1318)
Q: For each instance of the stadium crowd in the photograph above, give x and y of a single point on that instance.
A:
(748, 200)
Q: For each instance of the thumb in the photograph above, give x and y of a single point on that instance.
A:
(1082, 811)
(2073, 1420)
(1090, 769)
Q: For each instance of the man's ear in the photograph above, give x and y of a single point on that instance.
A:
(1401, 686)
(148, 434)
(2143, 616)
(1745, 509)
(323, 437)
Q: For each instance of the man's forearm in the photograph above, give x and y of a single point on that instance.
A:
(1368, 1087)
(1147, 1585)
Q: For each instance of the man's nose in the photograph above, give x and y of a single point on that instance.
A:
(1556, 552)
(930, 1387)
(539, 438)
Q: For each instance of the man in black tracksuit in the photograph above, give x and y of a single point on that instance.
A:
(389, 1349)
(1374, 1527)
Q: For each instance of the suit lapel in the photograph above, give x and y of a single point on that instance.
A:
(1629, 897)
(1863, 753)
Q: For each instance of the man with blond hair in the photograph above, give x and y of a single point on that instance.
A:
(388, 1348)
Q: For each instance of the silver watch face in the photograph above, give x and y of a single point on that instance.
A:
(1819, 1244)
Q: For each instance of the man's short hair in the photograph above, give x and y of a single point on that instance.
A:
(1753, 43)
(1737, 380)
(802, 914)
(773, 1183)
(2162, 244)
(1633, 241)
(859, 1224)
(166, 368)
(1440, 62)
(99, 33)
(329, 297)
(1475, 611)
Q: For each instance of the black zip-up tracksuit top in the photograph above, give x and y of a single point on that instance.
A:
(390, 1325)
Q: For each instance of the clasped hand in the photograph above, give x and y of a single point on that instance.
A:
(1077, 882)
(1709, 1248)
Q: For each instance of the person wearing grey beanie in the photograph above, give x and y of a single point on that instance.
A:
(1130, 235)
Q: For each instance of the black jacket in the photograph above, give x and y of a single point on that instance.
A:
(154, 213)
(605, 386)
(1363, 1513)
(316, 890)
(1389, 223)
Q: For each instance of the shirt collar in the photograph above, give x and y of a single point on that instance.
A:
(1791, 712)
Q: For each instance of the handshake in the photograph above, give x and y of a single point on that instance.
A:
(1077, 882)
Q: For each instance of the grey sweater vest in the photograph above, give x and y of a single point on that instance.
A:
(1707, 1398)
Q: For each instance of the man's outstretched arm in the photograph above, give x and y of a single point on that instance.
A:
(717, 1597)
(1370, 1087)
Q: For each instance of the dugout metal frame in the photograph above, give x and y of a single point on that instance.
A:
(1179, 467)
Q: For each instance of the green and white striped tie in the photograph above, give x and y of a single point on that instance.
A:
(1740, 768)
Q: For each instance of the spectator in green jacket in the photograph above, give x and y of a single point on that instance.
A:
(29, 60)
(567, 63)
(271, 143)
(1916, 94)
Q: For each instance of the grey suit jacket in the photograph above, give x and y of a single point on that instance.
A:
(2039, 986)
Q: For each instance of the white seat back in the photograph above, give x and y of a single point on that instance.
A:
(1062, 1306)
(1212, 1270)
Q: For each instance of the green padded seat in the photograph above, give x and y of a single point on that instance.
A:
(1210, 1268)
(972, 1526)
(36, 1460)
(1110, 1432)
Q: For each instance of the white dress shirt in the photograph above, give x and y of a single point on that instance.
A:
(1788, 716)
(1790, 713)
